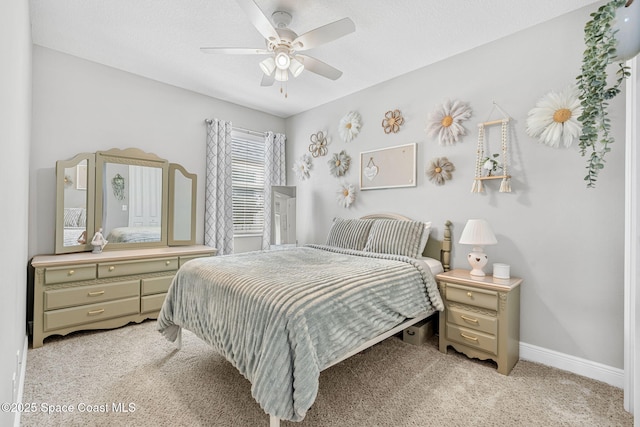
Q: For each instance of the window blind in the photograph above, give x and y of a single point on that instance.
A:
(247, 175)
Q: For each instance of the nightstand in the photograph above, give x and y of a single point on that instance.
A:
(481, 317)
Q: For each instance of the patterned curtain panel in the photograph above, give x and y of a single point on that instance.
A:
(218, 215)
(274, 174)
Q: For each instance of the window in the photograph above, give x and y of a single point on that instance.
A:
(247, 175)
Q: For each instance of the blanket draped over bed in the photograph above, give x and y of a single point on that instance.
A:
(280, 317)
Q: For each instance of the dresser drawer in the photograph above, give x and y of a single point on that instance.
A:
(156, 285)
(60, 298)
(472, 296)
(476, 321)
(126, 268)
(471, 338)
(151, 303)
(54, 275)
(66, 317)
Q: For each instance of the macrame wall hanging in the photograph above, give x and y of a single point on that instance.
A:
(484, 162)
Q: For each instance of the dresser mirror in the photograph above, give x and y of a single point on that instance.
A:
(182, 199)
(136, 199)
(283, 215)
(75, 203)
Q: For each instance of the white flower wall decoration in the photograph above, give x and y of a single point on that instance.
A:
(554, 119)
(346, 195)
(349, 126)
(445, 122)
(302, 167)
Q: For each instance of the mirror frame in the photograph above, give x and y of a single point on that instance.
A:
(174, 169)
(61, 165)
(136, 157)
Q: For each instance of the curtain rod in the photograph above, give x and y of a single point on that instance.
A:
(249, 131)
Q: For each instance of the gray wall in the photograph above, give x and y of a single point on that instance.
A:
(80, 106)
(566, 241)
(15, 123)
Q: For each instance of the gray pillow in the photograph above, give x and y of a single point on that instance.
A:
(349, 233)
(395, 237)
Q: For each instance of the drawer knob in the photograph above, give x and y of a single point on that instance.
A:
(167, 262)
(71, 272)
(111, 268)
(469, 294)
(94, 312)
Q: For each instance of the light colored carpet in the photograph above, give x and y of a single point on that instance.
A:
(391, 384)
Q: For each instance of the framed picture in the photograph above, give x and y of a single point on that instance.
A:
(388, 167)
(81, 177)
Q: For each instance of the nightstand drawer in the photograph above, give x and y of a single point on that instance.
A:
(151, 303)
(472, 296)
(476, 321)
(472, 338)
(60, 298)
(86, 314)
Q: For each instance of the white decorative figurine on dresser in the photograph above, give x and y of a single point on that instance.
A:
(150, 226)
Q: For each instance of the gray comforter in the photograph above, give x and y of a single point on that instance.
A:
(280, 317)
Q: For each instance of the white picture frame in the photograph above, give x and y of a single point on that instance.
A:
(390, 167)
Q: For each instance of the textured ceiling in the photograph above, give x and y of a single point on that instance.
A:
(160, 40)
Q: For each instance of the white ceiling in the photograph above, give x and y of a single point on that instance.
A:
(160, 40)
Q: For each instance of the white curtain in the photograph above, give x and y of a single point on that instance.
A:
(274, 174)
(218, 216)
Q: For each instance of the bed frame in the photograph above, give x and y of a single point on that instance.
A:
(438, 249)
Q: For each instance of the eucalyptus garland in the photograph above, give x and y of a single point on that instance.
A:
(600, 41)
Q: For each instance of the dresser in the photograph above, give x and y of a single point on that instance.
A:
(84, 290)
(481, 317)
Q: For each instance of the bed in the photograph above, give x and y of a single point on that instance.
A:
(281, 317)
(75, 225)
(134, 235)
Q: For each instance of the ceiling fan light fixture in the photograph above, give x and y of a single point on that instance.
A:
(281, 75)
(268, 65)
(282, 60)
(296, 67)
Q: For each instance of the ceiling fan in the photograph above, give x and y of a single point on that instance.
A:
(283, 45)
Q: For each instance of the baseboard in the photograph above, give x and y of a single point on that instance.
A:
(23, 372)
(576, 365)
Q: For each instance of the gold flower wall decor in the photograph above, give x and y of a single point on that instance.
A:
(318, 146)
(445, 121)
(392, 121)
(440, 170)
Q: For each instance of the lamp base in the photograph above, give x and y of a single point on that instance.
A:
(477, 259)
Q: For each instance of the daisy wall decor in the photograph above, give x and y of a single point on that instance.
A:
(318, 146)
(302, 166)
(339, 163)
(440, 170)
(445, 121)
(392, 121)
(346, 195)
(349, 126)
(554, 119)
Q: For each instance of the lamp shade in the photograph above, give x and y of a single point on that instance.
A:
(268, 65)
(477, 232)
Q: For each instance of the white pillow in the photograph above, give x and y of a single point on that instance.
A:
(424, 238)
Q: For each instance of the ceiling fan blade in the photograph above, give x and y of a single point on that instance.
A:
(258, 19)
(324, 34)
(267, 80)
(235, 50)
(319, 67)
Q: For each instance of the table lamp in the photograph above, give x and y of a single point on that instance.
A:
(477, 233)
